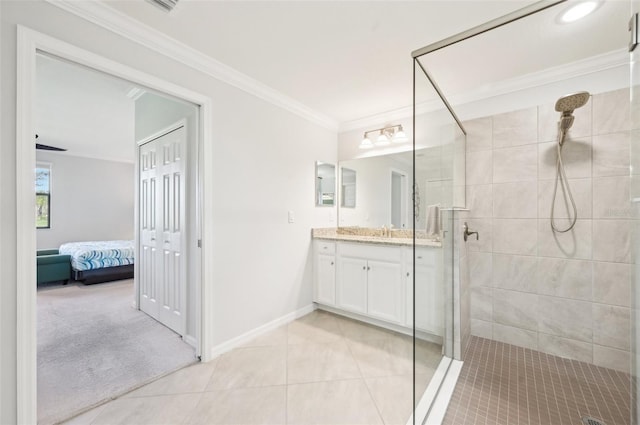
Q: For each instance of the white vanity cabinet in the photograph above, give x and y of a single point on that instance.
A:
(375, 282)
(324, 266)
(369, 281)
(429, 292)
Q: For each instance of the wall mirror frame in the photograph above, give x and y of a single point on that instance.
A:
(325, 177)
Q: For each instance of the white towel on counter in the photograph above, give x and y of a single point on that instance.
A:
(433, 220)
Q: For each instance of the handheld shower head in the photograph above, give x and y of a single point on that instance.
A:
(567, 104)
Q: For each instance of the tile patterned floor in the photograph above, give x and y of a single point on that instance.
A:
(321, 369)
(503, 384)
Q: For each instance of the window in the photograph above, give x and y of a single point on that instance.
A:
(43, 196)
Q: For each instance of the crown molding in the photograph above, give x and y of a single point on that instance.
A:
(592, 65)
(129, 28)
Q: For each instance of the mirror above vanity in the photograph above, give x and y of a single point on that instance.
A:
(379, 188)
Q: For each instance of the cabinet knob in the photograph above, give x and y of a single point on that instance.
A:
(332, 263)
(324, 247)
(364, 267)
(408, 274)
(368, 268)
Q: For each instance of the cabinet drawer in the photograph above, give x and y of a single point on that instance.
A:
(426, 256)
(325, 247)
(371, 252)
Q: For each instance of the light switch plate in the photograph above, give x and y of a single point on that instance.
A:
(291, 216)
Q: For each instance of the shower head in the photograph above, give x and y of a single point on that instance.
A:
(567, 104)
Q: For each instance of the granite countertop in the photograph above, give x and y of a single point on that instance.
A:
(373, 236)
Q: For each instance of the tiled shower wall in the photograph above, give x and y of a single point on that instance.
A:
(566, 294)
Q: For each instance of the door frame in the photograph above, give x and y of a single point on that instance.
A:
(29, 43)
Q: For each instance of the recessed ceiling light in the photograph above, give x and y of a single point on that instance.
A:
(579, 11)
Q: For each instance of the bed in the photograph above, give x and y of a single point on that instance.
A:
(100, 261)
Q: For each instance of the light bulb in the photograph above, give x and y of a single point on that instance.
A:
(382, 140)
(366, 143)
(400, 137)
(579, 11)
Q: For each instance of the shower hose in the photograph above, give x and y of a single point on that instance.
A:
(561, 177)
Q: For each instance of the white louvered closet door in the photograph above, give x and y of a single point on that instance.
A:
(161, 266)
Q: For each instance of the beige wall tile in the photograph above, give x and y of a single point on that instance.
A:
(482, 328)
(515, 236)
(515, 200)
(564, 278)
(611, 197)
(566, 318)
(479, 167)
(580, 189)
(565, 347)
(515, 128)
(611, 112)
(611, 326)
(516, 309)
(574, 244)
(515, 336)
(480, 200)
(576, 156)
(611, 155)
(480, 269)
(481, 303)
(515, 164)
(612, 358)
(479, 134)
(514, 272)
(612, 240)
(612, 283)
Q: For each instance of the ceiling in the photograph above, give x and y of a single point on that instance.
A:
(345, 59)
(84, 111)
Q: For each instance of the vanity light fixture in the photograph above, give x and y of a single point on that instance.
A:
(579, 11)
(387, 135)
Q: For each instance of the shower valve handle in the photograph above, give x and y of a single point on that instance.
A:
(467, 233)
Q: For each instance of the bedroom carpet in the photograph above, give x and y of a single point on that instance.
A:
(93, 345)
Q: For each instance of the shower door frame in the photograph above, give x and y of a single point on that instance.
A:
(433, 404)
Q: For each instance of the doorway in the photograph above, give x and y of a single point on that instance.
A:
(31, 44)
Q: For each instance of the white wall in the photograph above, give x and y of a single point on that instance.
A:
(154, 113)
(91, 199)
(261, 263)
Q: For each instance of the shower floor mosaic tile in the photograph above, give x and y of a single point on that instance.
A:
(503, 384)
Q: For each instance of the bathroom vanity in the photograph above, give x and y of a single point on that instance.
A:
(370, 277)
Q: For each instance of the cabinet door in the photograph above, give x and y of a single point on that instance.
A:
(429, 300)
(385, 291)
(352, 284)
(325, 279)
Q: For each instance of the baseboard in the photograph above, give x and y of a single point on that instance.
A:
(248, 336)
(191, 341)
(425, 336)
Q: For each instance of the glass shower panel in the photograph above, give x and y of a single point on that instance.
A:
(634, 195)
(438, 183)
